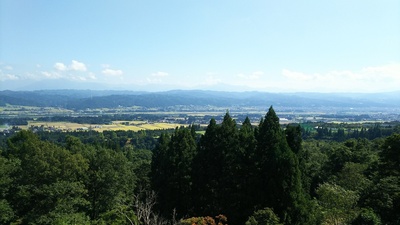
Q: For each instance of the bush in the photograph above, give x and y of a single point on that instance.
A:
(263, 217)
(207, 220)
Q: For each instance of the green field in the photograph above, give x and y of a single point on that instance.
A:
(116, 125)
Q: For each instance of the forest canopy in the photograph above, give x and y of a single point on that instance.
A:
(231, 173)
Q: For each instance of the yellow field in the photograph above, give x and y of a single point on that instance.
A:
(116, 125)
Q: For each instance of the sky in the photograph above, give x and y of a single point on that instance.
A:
(240, 45)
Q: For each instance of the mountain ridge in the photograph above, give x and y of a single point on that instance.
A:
(81, 99)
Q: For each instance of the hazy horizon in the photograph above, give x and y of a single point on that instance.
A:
(267, 46)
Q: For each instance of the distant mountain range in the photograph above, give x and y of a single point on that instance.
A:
(82, 99)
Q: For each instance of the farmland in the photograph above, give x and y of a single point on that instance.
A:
(135, 118)
(115, 125)
(72, 110)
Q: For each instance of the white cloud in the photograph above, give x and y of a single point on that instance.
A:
(212, 80)
(369, 79)
(296, 75)
(51, 75)
(4, 77)
(78, 66)
(74, 66)
(60, 66)
(8, 67)
(157, 77)
(153, 80)
(79, 78)
(159, 74)
(92, 76)
(253, 76)
(390, 71)
(111, 72)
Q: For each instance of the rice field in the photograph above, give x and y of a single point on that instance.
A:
(116, 125)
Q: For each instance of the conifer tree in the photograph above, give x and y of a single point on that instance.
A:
(159, 168)
(172, 172)
(231, 179)
(247, 171)
(279, 172)
(207, 172)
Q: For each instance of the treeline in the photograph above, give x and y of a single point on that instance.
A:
(101, 119)
(372, 132)
(258, 174)
(117, 140)
(45, 183)
(15, 121)
(233, 173)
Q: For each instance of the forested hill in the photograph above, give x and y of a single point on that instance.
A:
(82, 99)
(236, 174)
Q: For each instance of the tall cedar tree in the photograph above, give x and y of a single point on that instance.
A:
(159, 169)
(280, 178)
(172, 172)
(217, 173)
(246, 173)
(222, 169)
(230, 180)
(207, 172)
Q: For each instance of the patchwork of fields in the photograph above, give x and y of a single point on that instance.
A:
(116, 125)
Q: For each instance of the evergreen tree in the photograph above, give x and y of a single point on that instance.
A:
(159, 168)
(232, 177)
(182, 149)
(248, 171)
(172, 172)
(280, 175)
(7, 168)
(207, 172)
(391, 156)
(293, 138)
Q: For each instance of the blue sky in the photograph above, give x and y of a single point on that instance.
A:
(273, 46)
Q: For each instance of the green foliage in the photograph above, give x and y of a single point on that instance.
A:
(110, 177)
(311, 162)
(172, 171)
(94, 178)
(338, 204)
(263, 217)
(141, 165)
(352, 177)
(391, 155)
(207, 220)
(44, 183)
(7, 168)
(293, 138)
(385, 199)
(222, 170)
(207, 172)
(121, 215)
(281, 187)
(367, 217)
(65, 219)
(47, 182)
